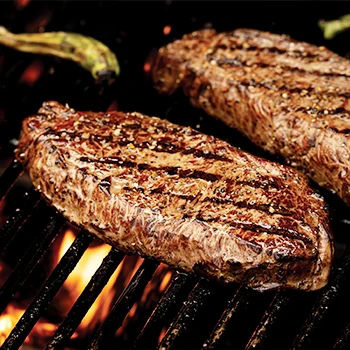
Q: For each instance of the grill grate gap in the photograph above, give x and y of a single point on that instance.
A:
(9, 177)
(267, 325)
(334, 292)
(24, 211)
(191, 324)
(165, 311)
(343, 341)
(52, 225)
(242, 313)
(86, 299)
(124, 303)
(48, 291)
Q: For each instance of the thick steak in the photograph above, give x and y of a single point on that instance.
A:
(289, 97)
(161, 190)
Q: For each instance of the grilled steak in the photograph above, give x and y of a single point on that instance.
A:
(169, 192)
(289, 97)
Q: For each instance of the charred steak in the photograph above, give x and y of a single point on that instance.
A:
(165, 191)
(289, 97)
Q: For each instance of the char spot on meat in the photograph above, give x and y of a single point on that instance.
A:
(105, 185)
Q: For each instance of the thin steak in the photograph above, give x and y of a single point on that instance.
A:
(290, 98)
(165, 191)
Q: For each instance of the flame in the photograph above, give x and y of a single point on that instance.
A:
(167, 30)
(151, 295)
(80, 277)
(165, 281)
(32, 73)
(74, 286)
(8, 320)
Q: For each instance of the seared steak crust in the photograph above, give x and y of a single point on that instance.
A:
(161, 190)
(289, 97)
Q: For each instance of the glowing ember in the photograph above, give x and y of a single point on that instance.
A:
(147, 67)
(8, 320)
(21, 4)
(167, 30)
(33, 72)
(165, 281)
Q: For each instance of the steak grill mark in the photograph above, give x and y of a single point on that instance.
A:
(196, 174)
(237, 62)
(124, 141)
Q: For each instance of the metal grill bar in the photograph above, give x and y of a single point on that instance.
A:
(124, 303)
(9, 176)
(267, 325)
(232, 314)
(14, 223)
(86, 299)
(166, 309)
(343, 341)
(53, 224)
(49, 290)
(332, 293)
(187, 315)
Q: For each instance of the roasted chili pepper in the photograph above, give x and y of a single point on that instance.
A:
(88, 52)
(332, 28)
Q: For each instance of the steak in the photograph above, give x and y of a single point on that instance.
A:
(290, 98)
(169, 192)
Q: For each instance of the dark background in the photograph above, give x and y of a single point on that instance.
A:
(134, 29)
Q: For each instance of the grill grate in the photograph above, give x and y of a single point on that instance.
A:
(45, 296)
(86, 299)
(52, 225)
(9, 177)
(131, 293)
(192, 313)
(11, 228)
(337, 290)
(166, 309)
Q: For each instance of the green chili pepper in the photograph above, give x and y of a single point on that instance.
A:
(332, 28)
(88, 52)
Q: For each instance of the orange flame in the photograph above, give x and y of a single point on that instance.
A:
(151, 294)
(8, 320)
(75, 284)
(81, 275)
(165, 282)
